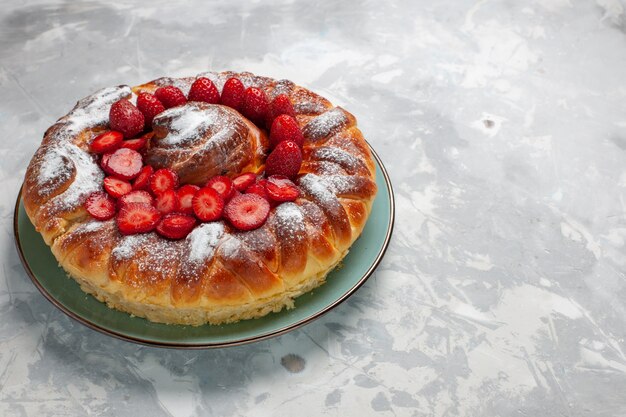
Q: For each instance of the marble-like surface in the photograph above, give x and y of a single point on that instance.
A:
(503, 126)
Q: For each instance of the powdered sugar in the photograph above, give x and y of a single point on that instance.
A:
(91, 226)
(338, 156)
(63, 156)
(127, 246)
(203, 241)
(315, 187)
(324, 124)
(187, 122)
(88, 176)
(230, 248)
(289, 218)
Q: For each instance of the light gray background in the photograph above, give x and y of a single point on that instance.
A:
(503, 126)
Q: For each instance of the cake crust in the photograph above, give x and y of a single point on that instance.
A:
(216, 274)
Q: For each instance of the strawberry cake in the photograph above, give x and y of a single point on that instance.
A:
(207, 199)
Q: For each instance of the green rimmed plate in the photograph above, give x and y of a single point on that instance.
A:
(66, 294)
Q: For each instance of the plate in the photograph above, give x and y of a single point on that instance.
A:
(62, 291)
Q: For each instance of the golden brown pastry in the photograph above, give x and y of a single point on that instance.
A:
(216, 274)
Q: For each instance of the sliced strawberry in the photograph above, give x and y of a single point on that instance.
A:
(208, 204)
(285, 159)
(137, 196)
(167, 202)
(126, 118)
(137, 218)
(243, 181)
(185, 197)
(124, 163)
(135, 144)
(105, 160)
(149, 106)
(142, 181)
(100, 206)
(281, 105)
(106, 142)
(170, 96)
(258, 188)
(175, 225)
(203, 89)
(255, 106)
(232, 93)
(162, 180)
(280, 189)
(247, 211)
(284, 128)
(116, 187)
(222, 185)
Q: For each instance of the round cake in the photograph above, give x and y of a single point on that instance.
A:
(207, 199)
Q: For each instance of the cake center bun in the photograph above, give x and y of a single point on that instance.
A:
(200, 140)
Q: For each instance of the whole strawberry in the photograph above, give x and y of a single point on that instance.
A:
(285, 128)
(149, 106)
(255, 107)
(232, 93)
(126, 118)
(203, 89)
(285, 159)
(281, 105)
(170, 96)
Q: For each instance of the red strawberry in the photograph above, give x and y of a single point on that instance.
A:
(255, 106)
(222, 185)
(104, 161)
(176, 226)
(142, 181)
(137, 218)
(185, 197)
(285, 127)
(136, 196)
(116, 187)
(170, 96)
(281, 189)
(285, 159)
(258, 188)
(135, 144)
(203, 89)
(232, 93)
(162, 180)
(281, 105)
(208, 204)
(149, 106)
(247, 211)
(100, 206)
(243, 181)
(126, 118)
(106, 142)
(124, 163)
(167, 202)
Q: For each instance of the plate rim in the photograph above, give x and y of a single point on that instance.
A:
(210, 345)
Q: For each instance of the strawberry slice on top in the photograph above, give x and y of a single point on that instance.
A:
(243, 181)
(100, 206)
(208, 204)
(124, 163)
(280, 188)
(176, 225)
(223, 185)
(167, 202)
(247, 211)
(106, 142)
(162, 180)
(136, 196)
(116, 187)
(185, 197)
(137, 218)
